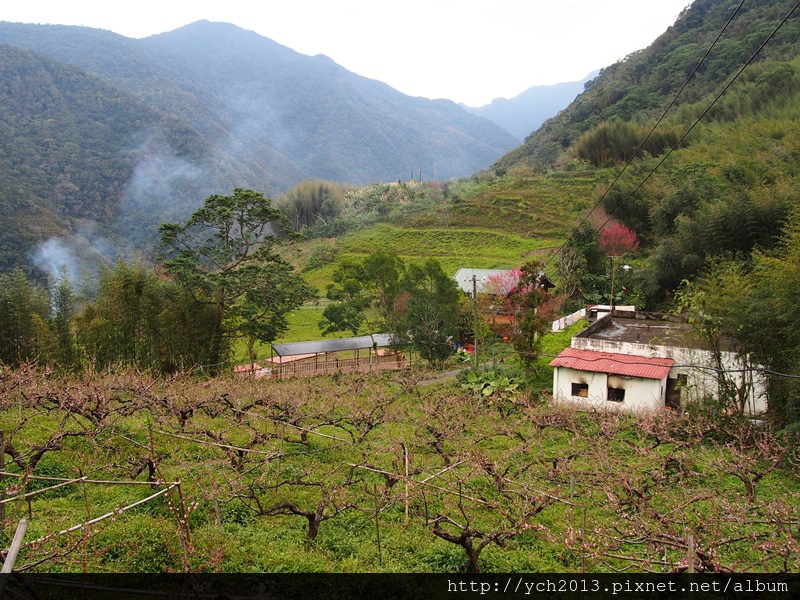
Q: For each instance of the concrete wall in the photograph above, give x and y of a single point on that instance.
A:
(641, 395)
(698, 366)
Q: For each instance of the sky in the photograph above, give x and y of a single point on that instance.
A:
(468, 51)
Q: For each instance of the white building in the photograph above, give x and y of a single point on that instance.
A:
(643, 363)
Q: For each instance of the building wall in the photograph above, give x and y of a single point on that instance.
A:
(641, 395)
(695, 364)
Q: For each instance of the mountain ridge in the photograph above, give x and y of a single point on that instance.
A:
(228, 108)
(639, 87)
(524, 113)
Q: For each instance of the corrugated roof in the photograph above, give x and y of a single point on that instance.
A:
(464, 277)
(614, 364)
(381, 340)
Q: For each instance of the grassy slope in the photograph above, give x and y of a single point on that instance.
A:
(499, 223)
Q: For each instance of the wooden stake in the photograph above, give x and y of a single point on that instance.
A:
(183, 524)
(405, 457)
(87, 531)
(2, 468)
(16, 544)
(377, 523)
(583, 553)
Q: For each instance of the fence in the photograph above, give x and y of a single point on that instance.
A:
(564, 322)
(338, 365)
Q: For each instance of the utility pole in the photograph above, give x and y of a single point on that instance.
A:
(613, 273)
(2, 468)
(475, 317)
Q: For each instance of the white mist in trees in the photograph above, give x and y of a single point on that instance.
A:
(53, 255)
(224, 255)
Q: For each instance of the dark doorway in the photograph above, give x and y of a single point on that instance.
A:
(674, 391)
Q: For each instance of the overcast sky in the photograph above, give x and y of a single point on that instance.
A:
(469, 51)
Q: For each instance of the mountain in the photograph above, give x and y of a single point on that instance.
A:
(639, 88)
(713, 109)
(144, 130)
(69, 145)
(524, 113)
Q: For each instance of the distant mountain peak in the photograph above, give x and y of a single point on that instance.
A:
(197, 111)
(526, 112)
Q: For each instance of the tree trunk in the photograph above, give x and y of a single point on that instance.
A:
(313, 526)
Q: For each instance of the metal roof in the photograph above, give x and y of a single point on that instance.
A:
(379, 340)
(464, 278)
(614, 364)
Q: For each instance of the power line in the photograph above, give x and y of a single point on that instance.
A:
(683, 137)
(705, 112)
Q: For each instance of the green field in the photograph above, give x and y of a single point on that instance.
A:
(309, 474)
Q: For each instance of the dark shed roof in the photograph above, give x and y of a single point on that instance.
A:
(379, 340)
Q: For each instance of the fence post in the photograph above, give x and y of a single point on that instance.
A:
(583, 539)
(377, 523)
(16, 544)
(405, 460)
(2, 468)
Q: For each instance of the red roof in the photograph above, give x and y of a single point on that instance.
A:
(615, 364)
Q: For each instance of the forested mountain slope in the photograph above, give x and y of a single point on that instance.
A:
(194, 112)
(715, 178)
(70, 145)
(639, 88)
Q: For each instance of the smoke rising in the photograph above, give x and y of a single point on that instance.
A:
(55, 255)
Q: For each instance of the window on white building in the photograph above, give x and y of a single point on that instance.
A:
(616, 394)
(580, 389)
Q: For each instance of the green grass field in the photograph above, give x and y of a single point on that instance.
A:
(306, 475)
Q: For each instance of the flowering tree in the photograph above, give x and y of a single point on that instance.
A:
(502, 283)
(616, 240)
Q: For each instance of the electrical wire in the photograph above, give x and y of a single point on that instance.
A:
(683, 137)
(704, 113)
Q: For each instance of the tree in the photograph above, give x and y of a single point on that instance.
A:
(617, 240)
(312, 202)
(63, 300)
(431, 317)
(502, 283)
(380, 294)
(363, 295)
(24, 309)
(569, 264)
(532, 323)
(224, 255)
(143, 320)
(755, 304)
(711, 306)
